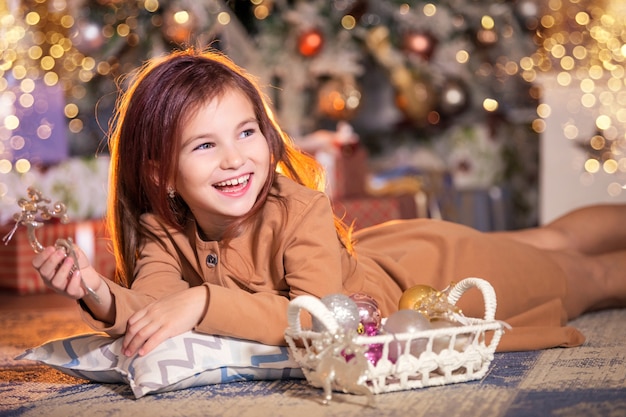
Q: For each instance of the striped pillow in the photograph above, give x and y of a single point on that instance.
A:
(188, 360)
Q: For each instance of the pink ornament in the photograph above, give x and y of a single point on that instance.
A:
(370, 319)
(374, 353)
(369, 314)
(420, 43)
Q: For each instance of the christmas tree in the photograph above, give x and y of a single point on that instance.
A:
(433, 85)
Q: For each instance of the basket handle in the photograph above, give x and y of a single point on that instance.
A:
(315, 307)
(489, 295)
(318, 309)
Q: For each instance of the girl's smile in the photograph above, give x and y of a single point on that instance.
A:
(234, 186)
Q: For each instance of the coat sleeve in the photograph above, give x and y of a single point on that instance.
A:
(312, 265)
(159, 274)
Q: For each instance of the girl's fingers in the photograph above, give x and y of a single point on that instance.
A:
(75, 286)
(134, 342)
(48, 265)
(62, 275)
(59, 272)
(138, 330)
(42, 257)
(153, 341)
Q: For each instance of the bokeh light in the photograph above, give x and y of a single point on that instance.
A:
(583, 44)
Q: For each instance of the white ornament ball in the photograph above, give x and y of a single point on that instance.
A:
(443, 342)
(402, 322)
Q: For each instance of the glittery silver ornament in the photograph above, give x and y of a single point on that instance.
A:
(343, 308)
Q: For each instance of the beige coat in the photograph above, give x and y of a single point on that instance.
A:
(293, 249)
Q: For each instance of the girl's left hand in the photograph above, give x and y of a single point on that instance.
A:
(165, 318)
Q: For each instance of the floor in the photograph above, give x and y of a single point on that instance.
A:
(11, 301)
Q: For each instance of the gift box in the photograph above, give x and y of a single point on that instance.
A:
(16, 270)
(370, 211)
(484, 209)
(346, 170)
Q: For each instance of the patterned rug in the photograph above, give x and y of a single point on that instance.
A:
(586, 381)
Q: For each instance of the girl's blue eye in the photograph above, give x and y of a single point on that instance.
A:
(206, 145)
(247, 132)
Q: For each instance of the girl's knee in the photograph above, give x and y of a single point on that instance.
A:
(554, 238)
(547, 238)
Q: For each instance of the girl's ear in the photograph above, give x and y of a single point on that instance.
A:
(154, 175)
(153, 172)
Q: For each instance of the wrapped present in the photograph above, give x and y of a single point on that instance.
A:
(346, 169)
(16, 271)
(483, 209)
(370, 211)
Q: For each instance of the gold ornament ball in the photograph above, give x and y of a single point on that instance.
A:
(416, 99)
(414, 295)
(339, 99)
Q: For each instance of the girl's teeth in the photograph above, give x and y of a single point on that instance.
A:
(236, 181)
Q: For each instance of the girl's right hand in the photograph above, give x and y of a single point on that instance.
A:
(58, 272)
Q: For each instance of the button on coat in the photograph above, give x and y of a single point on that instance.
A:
(211, 260)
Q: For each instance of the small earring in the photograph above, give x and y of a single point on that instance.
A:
(171, 193)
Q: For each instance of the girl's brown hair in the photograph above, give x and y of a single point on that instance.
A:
(144, 146)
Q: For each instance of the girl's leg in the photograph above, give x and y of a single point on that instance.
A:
(589, 230)
(590, 245)
(594, 282)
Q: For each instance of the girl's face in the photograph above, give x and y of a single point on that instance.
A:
(223, 163)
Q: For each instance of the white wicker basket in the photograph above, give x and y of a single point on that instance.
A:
(322, 354)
